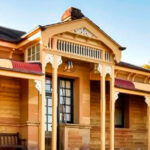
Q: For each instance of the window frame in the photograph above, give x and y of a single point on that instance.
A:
(58, 110)
(26, 53)
(46, 106)
(122, 108)
(72, 100)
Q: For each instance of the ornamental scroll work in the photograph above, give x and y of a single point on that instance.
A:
(147, 100)
(84, 31)
(108, 70)
(100, 68)
(38, 85)
(116, 96)
(50, 59)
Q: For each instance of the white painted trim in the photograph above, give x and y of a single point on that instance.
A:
(38, 85)
(147, 100)
(116, 96)
(108, 70)
(100, 68)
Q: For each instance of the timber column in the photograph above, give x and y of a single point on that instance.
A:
(42, 116)
(54, 103)
(102, 106)
(147, 100)
(113, 97)
(112, 113)
(55, 61)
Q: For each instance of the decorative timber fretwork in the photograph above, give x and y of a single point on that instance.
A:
(147, 100)
(49, 58)
(84, 31)
(59, 60)
(100, 68)
(38, 85)
(108, 70)
(116, 96)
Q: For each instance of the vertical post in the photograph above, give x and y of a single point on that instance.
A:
(112, 114)
(40, 86)
(42, 124)
(102, 112)
(101, 70)
(55, 62)
(113, 97)
(147, 100)
(54, 105)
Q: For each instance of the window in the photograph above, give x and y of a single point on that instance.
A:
(65, 101)
(107, 56)
(33, 53)
(122, 111)
(48, 115)
(119, 114)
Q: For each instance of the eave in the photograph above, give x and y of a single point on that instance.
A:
(20, 74)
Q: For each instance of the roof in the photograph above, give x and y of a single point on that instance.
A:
(64, 22)
(128, 65)
(129, 85)
(18, 66)
(10, 35)
(124, 84)
(26, 67)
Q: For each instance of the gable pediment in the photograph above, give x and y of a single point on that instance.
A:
(83, 27)
(84, 31)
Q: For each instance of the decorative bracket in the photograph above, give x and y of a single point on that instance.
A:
(38, 85)
(116, 96)
(108, 70)
(147, 100)
(100, 68)
(59, 60)
(50, 59)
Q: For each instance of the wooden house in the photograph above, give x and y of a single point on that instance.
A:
(63, 86)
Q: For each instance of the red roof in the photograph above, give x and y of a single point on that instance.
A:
(26, 67)
(124, 84)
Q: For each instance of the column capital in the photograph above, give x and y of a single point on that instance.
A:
(38, 85)
(49, 58)
(116, 96)
(147, 100)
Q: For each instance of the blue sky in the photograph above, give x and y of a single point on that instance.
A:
(126, 21)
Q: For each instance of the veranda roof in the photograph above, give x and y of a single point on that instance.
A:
(33, 68)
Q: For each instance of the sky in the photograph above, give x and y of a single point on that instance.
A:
(126, 21)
